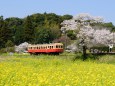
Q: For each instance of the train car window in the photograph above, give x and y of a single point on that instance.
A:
(52, 47)
(56, 46)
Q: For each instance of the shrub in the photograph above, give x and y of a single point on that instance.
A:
(78, 56)
(8, 49)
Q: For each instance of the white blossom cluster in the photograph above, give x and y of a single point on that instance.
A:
(93, 36)
(21, 48)
(81, 19)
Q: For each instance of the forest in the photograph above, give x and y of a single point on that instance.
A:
(36, 29)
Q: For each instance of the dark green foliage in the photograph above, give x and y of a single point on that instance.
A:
(44, 35)
(37, 20)
(14, 24)
(71, 34)
(1, 29)
(105, 25)
(102, 48)
(78, 56)
(5, 32)
(81, 57)
(6, 50)
(28, 30)
(9, 46)
(19, 35)
(108, 25)
(67, 17)
(9, 43)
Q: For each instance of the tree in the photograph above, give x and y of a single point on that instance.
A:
(14, 23)
(1, 37)
(91, 35)
(28, 30)
(9, 46)
(44, 35)
(5, 32)
(66, 17)
(9, 43)
(19, 35)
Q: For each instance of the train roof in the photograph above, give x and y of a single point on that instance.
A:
(45, 44)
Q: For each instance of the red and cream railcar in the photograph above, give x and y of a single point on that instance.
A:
(54, 48)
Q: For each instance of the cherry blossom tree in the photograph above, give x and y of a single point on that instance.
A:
(93, 36)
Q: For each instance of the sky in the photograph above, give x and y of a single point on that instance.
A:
(22, 8)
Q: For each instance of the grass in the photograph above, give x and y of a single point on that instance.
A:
(109, 59)
(46, 70)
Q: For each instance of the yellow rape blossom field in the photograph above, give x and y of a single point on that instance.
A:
(40, 71)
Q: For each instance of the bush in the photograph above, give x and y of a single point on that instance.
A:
(103, 48)
(3, 50)
(78, 56)
(90, 56)
(8, 49)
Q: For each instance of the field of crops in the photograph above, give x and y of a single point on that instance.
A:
(54, 71)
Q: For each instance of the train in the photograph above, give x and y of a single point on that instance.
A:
(52, 48)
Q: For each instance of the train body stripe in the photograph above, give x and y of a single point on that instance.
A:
(44, 50)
